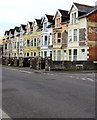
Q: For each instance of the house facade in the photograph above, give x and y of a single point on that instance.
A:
(28, 39)
(46, 37)
(15, 42)
(67, 37)
(77, 33)
(21, 40)
(60, 35)
(5, 43)
(35, 38)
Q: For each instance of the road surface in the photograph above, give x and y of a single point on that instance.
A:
(33, 94)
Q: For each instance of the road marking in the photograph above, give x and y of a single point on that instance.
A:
(90, 79)
(19, 70)
(83, 79)
(3, 114)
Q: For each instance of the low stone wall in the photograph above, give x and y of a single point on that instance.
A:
(68, 65)
(3, 60)
(11, 61)
(20, 62)
(48, 64)
(35, 63)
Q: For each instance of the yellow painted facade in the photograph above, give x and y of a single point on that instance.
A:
(32, 50)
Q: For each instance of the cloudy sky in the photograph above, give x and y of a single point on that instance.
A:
(16, 12)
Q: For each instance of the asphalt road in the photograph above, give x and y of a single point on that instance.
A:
(34, 94)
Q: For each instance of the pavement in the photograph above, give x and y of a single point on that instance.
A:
(31, 93)
(39, 71)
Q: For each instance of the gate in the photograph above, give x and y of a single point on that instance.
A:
(43, 64)
(26, 62)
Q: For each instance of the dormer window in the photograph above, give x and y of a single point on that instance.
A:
(58, 22)
(73, 19)
(34, 28)
(45, 25)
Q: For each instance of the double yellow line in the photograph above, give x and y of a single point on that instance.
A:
(23, 71)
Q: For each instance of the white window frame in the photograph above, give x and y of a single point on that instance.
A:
(75, 55)
(54, 37)
(54, 55)
(75, 32)
(70, 54)
(35, 42)
(58, 22)
(45, 40)
(59, 38)
(59, 55)
(70, 36)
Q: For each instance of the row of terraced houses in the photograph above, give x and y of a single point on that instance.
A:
(66, 36)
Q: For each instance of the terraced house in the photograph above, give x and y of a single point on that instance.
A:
(15, 43)
(78, 49)
(60, 35)
(28, 39)
(69, 38)
(35, 42)
(5, 43)
(21, 40)
(46, 36)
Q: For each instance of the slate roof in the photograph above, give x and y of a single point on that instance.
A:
(6, 33)
(30, 23)
(63, 12)
(87, 14)
(38, 21)
(83, 8)
(65, 15)
(17, 29)
(50, 18)
(12, 31)
(23, 26)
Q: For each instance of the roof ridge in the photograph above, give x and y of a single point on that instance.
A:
(83, 4)
(49, 15)
(63, 10)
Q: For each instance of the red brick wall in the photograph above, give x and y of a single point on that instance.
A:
(92, 33)
(92, 36)
(93, 17)
(92, 54)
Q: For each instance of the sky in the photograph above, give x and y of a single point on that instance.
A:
(16, 12)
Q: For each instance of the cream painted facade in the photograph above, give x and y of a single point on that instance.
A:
(77, 52)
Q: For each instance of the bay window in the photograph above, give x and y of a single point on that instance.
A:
(70, 35)
(59, 37)
(75, 34)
